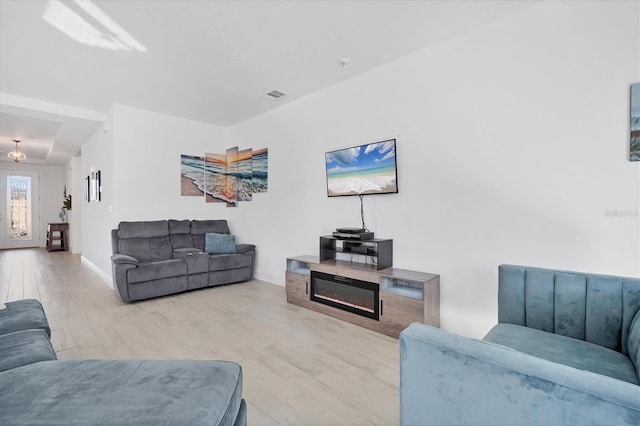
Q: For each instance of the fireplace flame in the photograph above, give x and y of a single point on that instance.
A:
(351, 302)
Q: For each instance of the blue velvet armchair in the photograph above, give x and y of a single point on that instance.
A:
(565, 351)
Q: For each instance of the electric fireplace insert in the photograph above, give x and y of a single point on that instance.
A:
(349, 294)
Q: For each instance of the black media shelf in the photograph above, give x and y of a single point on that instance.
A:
(380, 250)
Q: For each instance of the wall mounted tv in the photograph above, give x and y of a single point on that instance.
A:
(362, 170)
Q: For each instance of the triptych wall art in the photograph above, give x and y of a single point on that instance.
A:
(225, 178)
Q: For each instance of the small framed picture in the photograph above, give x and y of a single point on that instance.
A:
(95, 187)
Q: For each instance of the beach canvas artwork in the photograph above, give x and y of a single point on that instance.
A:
(215, 178)
(366, 169)
(634, 147)
(231, 177)
(191, 175)
(259, 166)
(225, 178)
(244, 170)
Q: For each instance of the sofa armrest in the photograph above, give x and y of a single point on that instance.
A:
(25, 347)
(120, 265)
(244, 248)
(449, 379)
(123, 259)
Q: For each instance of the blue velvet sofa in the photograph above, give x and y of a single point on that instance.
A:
(37, 389)
(565, 351)
(157, 258)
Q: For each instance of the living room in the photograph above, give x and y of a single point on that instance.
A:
(512, 147)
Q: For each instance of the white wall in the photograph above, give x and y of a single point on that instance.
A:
(73, 179)
(147, 153)
(76, 188)
(512, 148)
(51, 193)
(139, 159)
(96, 218)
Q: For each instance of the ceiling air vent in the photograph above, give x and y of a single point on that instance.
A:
(274, 94)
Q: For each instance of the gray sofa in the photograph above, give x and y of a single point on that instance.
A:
(566, 350)
(156, 258)
(37, 389)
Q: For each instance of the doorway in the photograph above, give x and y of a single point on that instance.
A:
(19, 209)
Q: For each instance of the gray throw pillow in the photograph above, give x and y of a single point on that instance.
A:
(219, 243)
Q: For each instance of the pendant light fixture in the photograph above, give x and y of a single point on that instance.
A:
(16, 155)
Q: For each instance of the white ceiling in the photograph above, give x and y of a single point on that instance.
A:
(210, 61)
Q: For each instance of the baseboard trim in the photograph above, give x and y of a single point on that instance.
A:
(99, 272)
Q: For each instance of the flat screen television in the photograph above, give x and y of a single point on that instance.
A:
(362, 170)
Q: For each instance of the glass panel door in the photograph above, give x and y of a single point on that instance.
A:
(19, 226)
(19, 218)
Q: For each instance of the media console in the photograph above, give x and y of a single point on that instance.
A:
(383, 300)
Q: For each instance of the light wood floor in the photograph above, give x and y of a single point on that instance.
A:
(299, 367)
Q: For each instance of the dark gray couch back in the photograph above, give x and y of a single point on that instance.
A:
(151, 241)
(180, 234)
(147, 241)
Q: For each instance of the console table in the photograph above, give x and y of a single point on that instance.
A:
(403, 296)
(57, 236)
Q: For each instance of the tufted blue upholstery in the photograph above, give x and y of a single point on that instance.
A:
(566, 351)
(595, 308)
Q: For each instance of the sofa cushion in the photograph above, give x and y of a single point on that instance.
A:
(180, 234)
(219, 226)
(147, 249)
(591, 307)
(634, 342)
(221, 262)
(145, 241)
(132, 392)
(157, 270)
(146, 229)
(564, 350)
(181, 241)
(179, 226)
(157, 288)
(219, 243)
(23, 315)
(23, 348)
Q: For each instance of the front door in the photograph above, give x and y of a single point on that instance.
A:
(19, 209)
